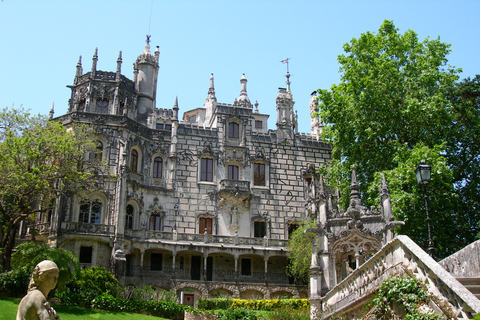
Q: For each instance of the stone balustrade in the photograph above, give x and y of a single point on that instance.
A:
(142, 235)
(401, 257)
(88, 228)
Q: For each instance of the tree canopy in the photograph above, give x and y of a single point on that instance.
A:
(398, 103)
(39, 161)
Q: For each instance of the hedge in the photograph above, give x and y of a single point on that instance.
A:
(265, 305)
(159, 309)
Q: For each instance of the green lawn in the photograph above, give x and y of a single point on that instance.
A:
(8, 311)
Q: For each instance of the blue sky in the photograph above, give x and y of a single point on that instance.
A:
(41, 42)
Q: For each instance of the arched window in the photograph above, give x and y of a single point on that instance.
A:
(90, 211)
(134, 160)
(233, 130)
(155, 222)
(129, 217)
(157, 167)
(97, 154)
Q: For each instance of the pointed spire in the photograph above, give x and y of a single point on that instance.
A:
(288, 81)
(94, 62)
(354, 187)
(211, 88)
(175, 108)
(119, 66)
(79, 67)
(52, 110)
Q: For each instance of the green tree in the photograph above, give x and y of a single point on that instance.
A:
(39, 161)
(300, 251)
(398, 103)
(29, 254)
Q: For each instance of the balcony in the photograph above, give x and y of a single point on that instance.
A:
(88, 228)
(234, 192)
(146, 235)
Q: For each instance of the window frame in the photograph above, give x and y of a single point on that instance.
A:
(233, 172)
(206, 169)
(157, 222)
(259, 228)
(259, 177)
(134, 160)
(157, 172)
(233, 130)
(129, 217)
(87, 214)
(205, 223)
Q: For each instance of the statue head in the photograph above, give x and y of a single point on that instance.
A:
(44, 274)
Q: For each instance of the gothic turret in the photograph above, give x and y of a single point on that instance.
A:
(145, 78)
(243, 100)
(316, 124)
(210, 102)
(285, 116)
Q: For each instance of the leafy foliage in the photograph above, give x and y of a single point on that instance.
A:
(150, 294)
(14, 283)
(236, 314)
(398, 103)
(155, 308)
(271, 304)
(214, 303)
(29, 254)
(88, 284)
(288, 314)
(300, 249)
(39, 161)
(407, 294)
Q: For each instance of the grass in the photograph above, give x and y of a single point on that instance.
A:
(8, 307)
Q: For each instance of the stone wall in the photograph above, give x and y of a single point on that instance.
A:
(464, 263)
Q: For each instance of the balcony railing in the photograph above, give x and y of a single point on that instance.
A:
(88, 228)
(234, 185)
(215, 275)
(143, 235)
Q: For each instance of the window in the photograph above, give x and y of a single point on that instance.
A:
(156, 261)
(205, 223)
(168, 127)
(157, 167)
(102, 106)
(159, 126)
(97, 154)
(292, 227)
(90, 212)
(206, 173)
(134, 160)
(259, 174)
(86, 254)
(246, 267)
(258, 124)
(154, 224)
(192, 119)
(233, 130)
(233, 172)
(129, 217)
(259, 229)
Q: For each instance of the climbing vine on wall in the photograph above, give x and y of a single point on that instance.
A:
(407, 294)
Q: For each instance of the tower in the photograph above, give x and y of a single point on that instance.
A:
(286, 120)
(145, 78)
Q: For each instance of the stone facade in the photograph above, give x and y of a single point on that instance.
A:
(202, 205)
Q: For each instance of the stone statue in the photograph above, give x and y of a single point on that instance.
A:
(34, 306)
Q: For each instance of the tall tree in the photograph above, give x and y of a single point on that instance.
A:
(39, 161)
(395, 106)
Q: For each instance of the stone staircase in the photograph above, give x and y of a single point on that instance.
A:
(472, 284)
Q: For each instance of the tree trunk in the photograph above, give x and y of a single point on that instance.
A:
(8, 245)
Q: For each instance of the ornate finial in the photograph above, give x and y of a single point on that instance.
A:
(52, 111)
(148, 39)
(175, 106)
(256, 106)
(288, 74)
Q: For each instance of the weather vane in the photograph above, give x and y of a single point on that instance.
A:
(148, 39)
(286, 61)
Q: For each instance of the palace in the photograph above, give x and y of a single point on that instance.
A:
(202, 204)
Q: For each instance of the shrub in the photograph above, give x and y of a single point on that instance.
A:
(88, 284)
(236, 314)
(159, 309)
(14, 283)
(288, 314)
(271, 304)
(150, 294)
(214, 303)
